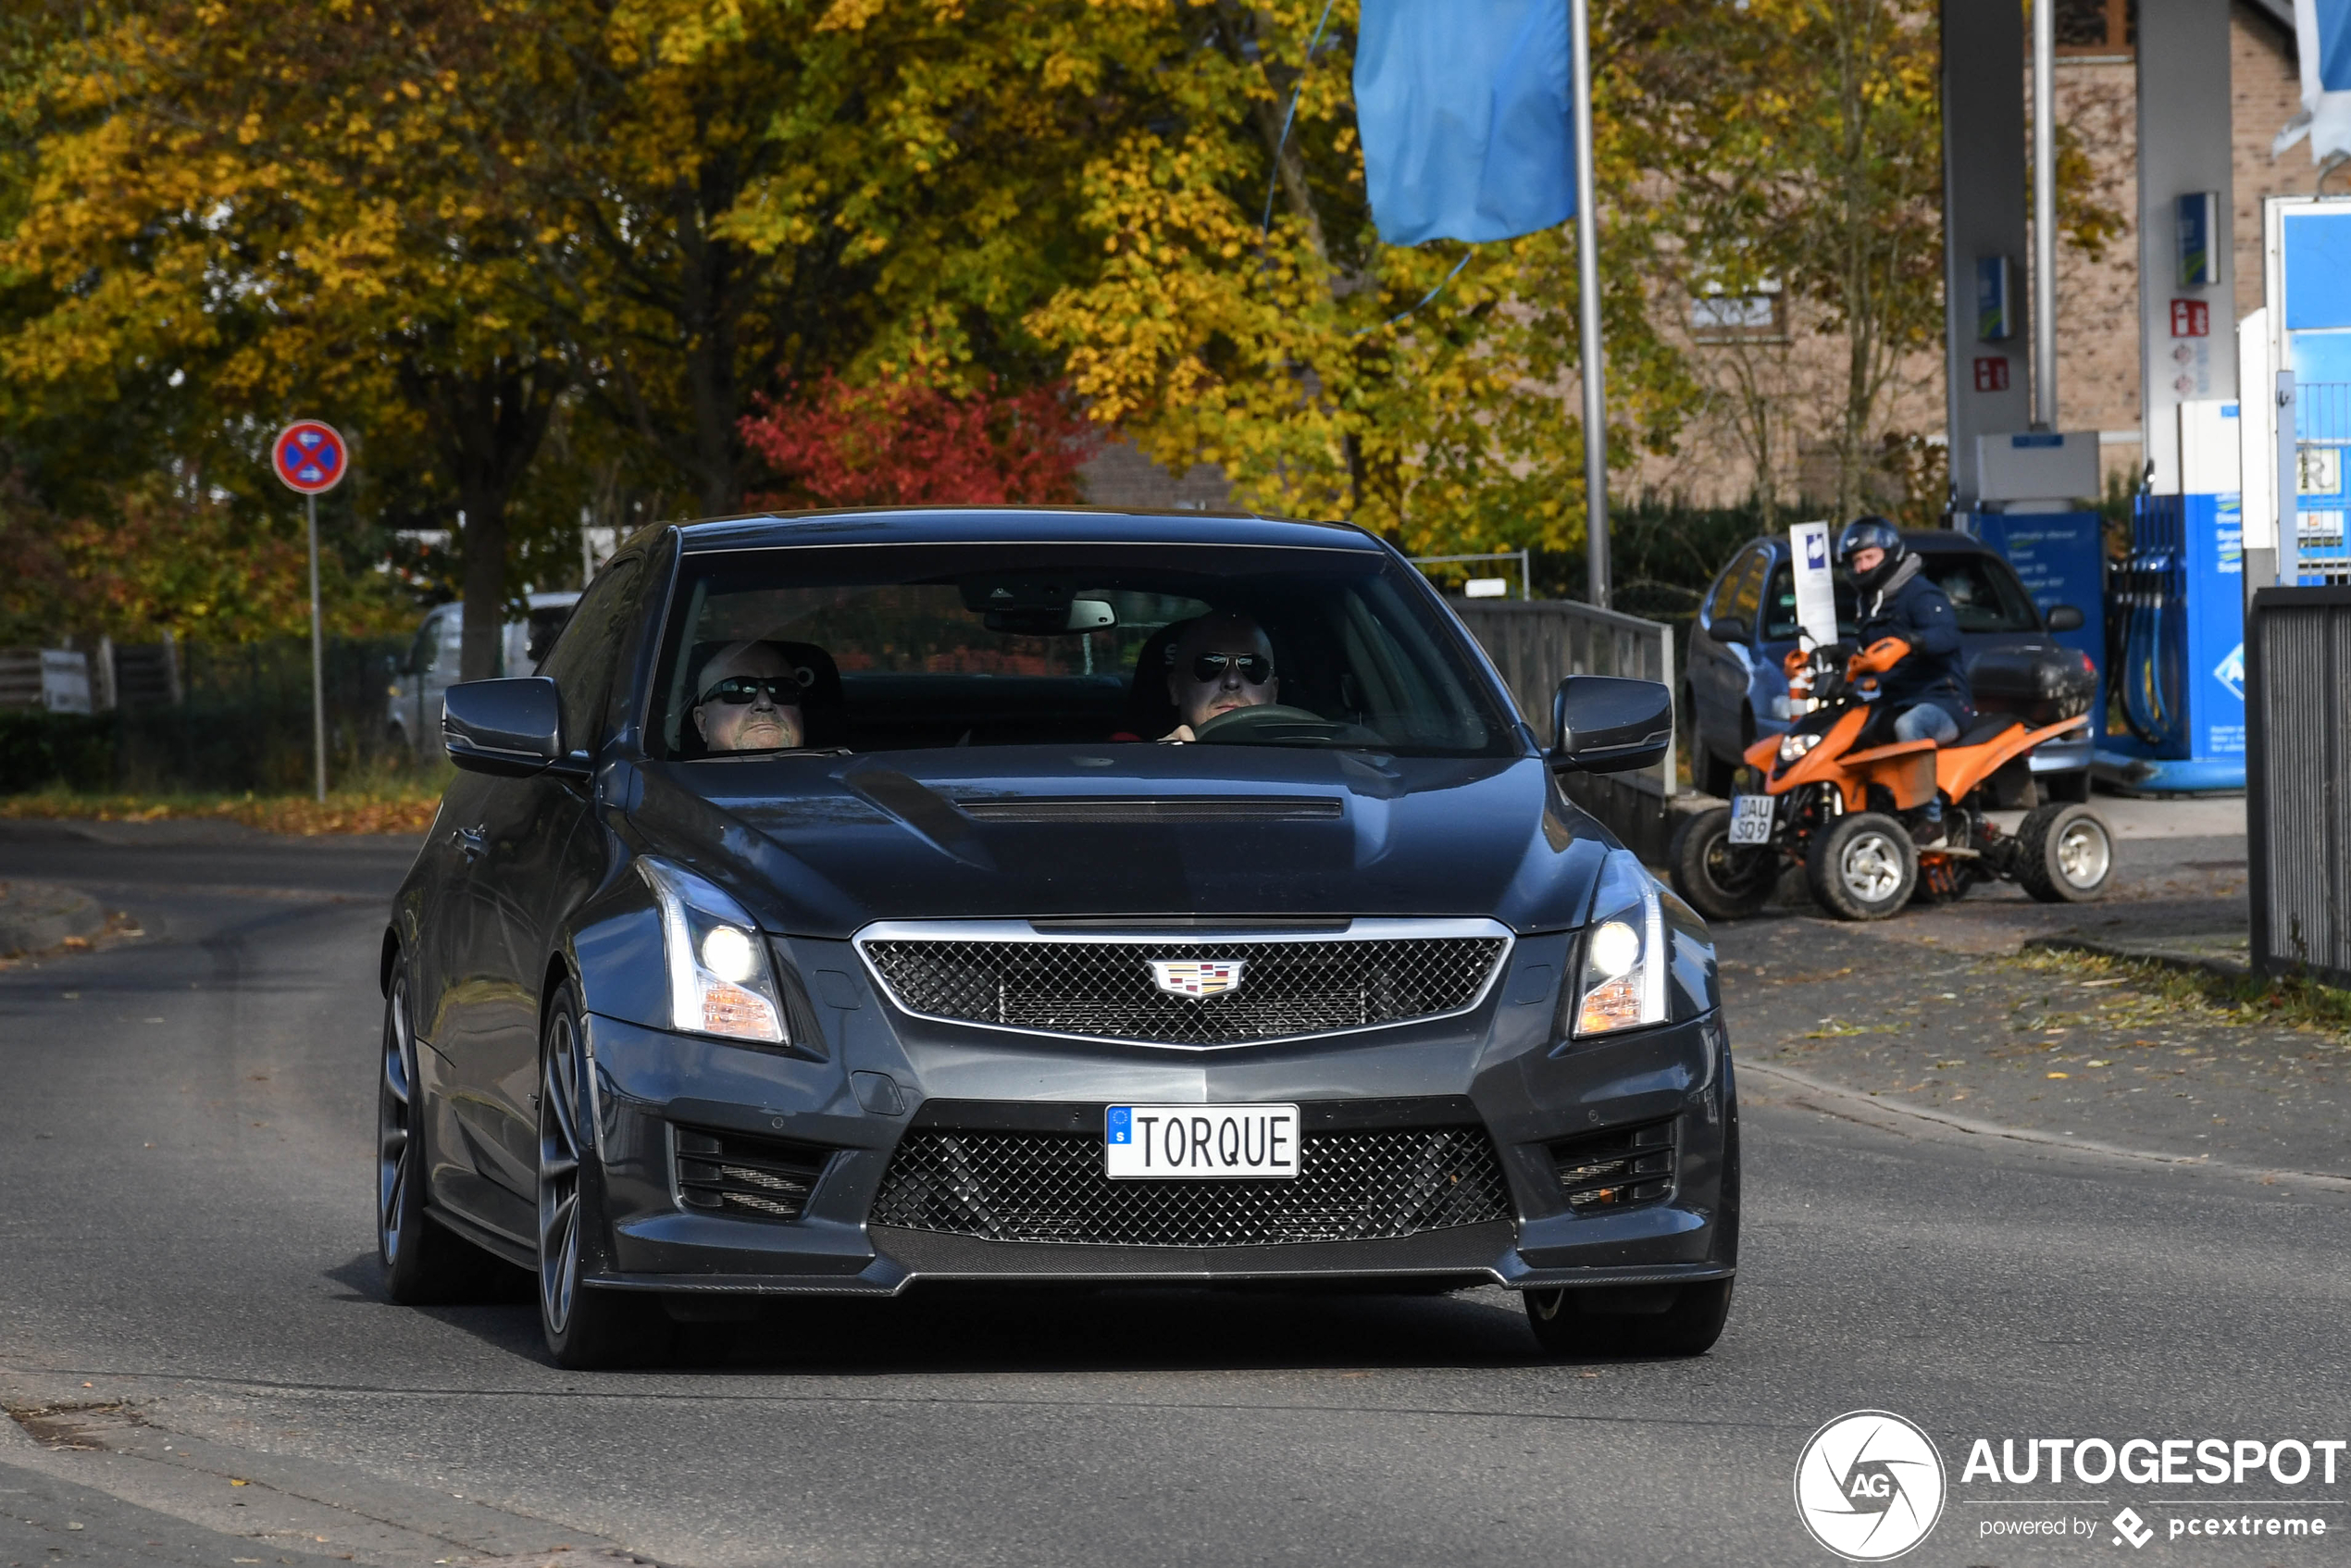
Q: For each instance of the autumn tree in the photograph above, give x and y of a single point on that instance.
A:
(903, 442)
(1245, 314)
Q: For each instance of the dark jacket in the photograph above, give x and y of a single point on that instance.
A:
(1910, 607)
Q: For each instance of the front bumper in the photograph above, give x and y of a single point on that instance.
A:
(879, 1077)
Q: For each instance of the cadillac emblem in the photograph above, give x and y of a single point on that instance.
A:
(1202, 978)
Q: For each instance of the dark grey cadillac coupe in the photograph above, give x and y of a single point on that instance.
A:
(868, 900)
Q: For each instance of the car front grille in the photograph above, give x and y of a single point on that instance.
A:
(1108, 989)
(748, 1177)
(1617, 1168)
(1355, 1186)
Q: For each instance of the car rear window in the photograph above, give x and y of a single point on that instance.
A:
(1984, 592)
(896, 648)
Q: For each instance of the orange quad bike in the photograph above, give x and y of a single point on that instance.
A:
(1841, 797)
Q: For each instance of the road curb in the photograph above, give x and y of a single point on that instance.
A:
(35, 916)
(1860, 1104)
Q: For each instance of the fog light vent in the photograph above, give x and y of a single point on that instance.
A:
(750, 1178)
(1617, 1168)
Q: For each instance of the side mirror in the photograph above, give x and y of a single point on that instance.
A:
(1727, 629)
(2064, 617)
(513, 728)
(1603, 724)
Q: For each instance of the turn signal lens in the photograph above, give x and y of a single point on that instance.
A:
(730, 1010)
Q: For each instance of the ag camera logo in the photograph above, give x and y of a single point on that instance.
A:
(1868, 1486)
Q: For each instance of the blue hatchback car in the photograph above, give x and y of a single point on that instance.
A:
(1736, 693)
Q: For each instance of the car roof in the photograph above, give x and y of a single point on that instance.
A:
(1016, 525)
(1933, 541)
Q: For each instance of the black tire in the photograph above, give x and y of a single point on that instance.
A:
(2066, 789)
(1712, 776)
(423, 1265)
(584, 1326)
(2065, 854)
(1659, 1320)
(1720, 880)
(1863, 867)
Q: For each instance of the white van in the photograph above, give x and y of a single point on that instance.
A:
(412, 717)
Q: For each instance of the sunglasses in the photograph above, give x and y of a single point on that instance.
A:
(1255, 668)
(737, 689)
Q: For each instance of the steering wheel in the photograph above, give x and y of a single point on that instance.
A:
(1276, 721)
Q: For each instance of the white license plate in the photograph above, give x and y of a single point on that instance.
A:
(1751, 819)
(1258, 1142)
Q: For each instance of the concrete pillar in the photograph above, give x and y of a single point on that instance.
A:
(2187, 349)
(1988, 387)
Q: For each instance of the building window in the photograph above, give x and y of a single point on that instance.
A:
(2096, 27)
(1720, 318)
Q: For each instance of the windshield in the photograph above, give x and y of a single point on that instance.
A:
(898, 647)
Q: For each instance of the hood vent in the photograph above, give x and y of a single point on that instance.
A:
(1128, 811)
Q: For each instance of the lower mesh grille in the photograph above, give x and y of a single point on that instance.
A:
(1617, 1168)
(1049, 1187)
(749, 1177)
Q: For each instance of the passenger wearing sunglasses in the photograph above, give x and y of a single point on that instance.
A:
(1221, 662)
(748, 700)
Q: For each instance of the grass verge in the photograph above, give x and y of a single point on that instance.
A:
(370, 803)
(2163, 992)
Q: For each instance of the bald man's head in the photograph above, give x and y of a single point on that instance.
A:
(1220, 663)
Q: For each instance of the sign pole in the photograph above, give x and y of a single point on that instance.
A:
(318, 660)
(309, 457)
(1587, 276)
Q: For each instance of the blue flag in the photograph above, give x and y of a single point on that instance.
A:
(2333, 25)
(1467, 126)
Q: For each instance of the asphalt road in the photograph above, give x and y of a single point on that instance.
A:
(203, 1369)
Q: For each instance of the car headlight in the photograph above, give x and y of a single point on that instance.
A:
(1793, 745)
(720, 981)
(1622, 978)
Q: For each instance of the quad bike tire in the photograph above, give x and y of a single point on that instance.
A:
(1718, 879)
(2065, 854)
(1863, 866)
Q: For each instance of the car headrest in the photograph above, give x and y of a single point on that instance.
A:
(1150, 712)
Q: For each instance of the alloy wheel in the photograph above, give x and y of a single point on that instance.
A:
(2083, 853)
(559, 1151)
(395, 1115)
(1872, 868)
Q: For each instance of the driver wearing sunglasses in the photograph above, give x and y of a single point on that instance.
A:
(748, 700)
(1221, 662)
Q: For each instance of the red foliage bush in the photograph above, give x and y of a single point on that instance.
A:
(906, 443)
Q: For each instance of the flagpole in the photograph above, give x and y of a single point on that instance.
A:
(1587, 275)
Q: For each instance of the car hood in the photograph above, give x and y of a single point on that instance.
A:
(820, 846)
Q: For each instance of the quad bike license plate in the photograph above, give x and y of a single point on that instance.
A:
(1751, 819)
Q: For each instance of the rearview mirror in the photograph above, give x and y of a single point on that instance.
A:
(513, 728)
(1603, 724)
(1727, 629)
(2064, 617)
(1080, 615)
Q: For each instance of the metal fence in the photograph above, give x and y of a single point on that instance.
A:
(1536, 644)
(2298, 709)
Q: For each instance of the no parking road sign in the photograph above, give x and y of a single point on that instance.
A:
(309, 457)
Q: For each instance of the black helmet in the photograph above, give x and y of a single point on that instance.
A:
(1871, 534)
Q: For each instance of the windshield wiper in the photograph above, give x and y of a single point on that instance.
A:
(756, 753)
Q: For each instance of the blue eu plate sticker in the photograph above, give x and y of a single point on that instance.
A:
(1122, 1124)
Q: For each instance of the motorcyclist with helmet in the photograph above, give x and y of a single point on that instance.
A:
(1910, 645)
